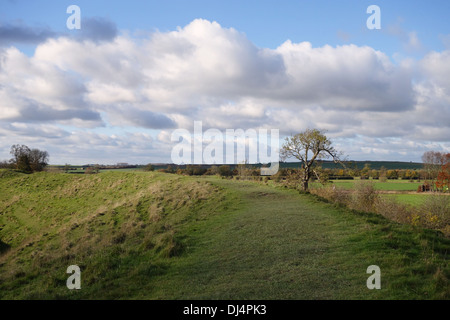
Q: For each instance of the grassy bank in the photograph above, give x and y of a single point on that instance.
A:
(158, 236)
(120, 228)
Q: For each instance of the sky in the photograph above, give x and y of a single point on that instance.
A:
(117, 88)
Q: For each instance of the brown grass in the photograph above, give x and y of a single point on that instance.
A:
(433, 214)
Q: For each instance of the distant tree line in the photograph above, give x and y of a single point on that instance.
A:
(318, 173)
(334, 174)
(26, 160)
(199, 170)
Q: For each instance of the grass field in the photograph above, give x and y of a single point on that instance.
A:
(390, 185)
(415, 200)
(148, 235)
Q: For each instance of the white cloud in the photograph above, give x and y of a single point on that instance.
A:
(346, 77)
(436, 68)
(413, 41)
(204, 72)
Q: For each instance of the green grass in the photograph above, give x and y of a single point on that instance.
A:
(400, 185)
(140, 235)
(103, 223)
(415, 200)
(390, 185)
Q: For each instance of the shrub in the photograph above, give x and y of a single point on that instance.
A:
(149, 167)
(194, 170)
(292, 178)
(213, 170)
(393, 210)
(225, 171)
(435, 211)
(6, 165)
(364, 196)
(433, 214)
(333, 194)
(170, 169)
(89, 170)
(280, 175)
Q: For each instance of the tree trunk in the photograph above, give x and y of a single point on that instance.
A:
(305, 179)
(305, 185)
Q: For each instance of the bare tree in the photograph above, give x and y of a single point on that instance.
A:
(17, 151)
(38, 159)
(309, 146)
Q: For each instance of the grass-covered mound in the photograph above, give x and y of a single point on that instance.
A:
(119, 228)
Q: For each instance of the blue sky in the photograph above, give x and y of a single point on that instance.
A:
(267, 23)
(261, 46)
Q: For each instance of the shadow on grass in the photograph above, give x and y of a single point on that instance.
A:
(3, 247)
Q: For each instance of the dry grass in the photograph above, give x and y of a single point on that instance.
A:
(393, 210)
(364, 196)
(434, 213)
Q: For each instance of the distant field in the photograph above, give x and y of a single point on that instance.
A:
(390, 185)
(410, 199)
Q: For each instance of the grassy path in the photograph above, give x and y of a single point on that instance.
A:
(282, 245)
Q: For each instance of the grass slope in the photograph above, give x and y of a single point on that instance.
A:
(158, 236)
(120, 228)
